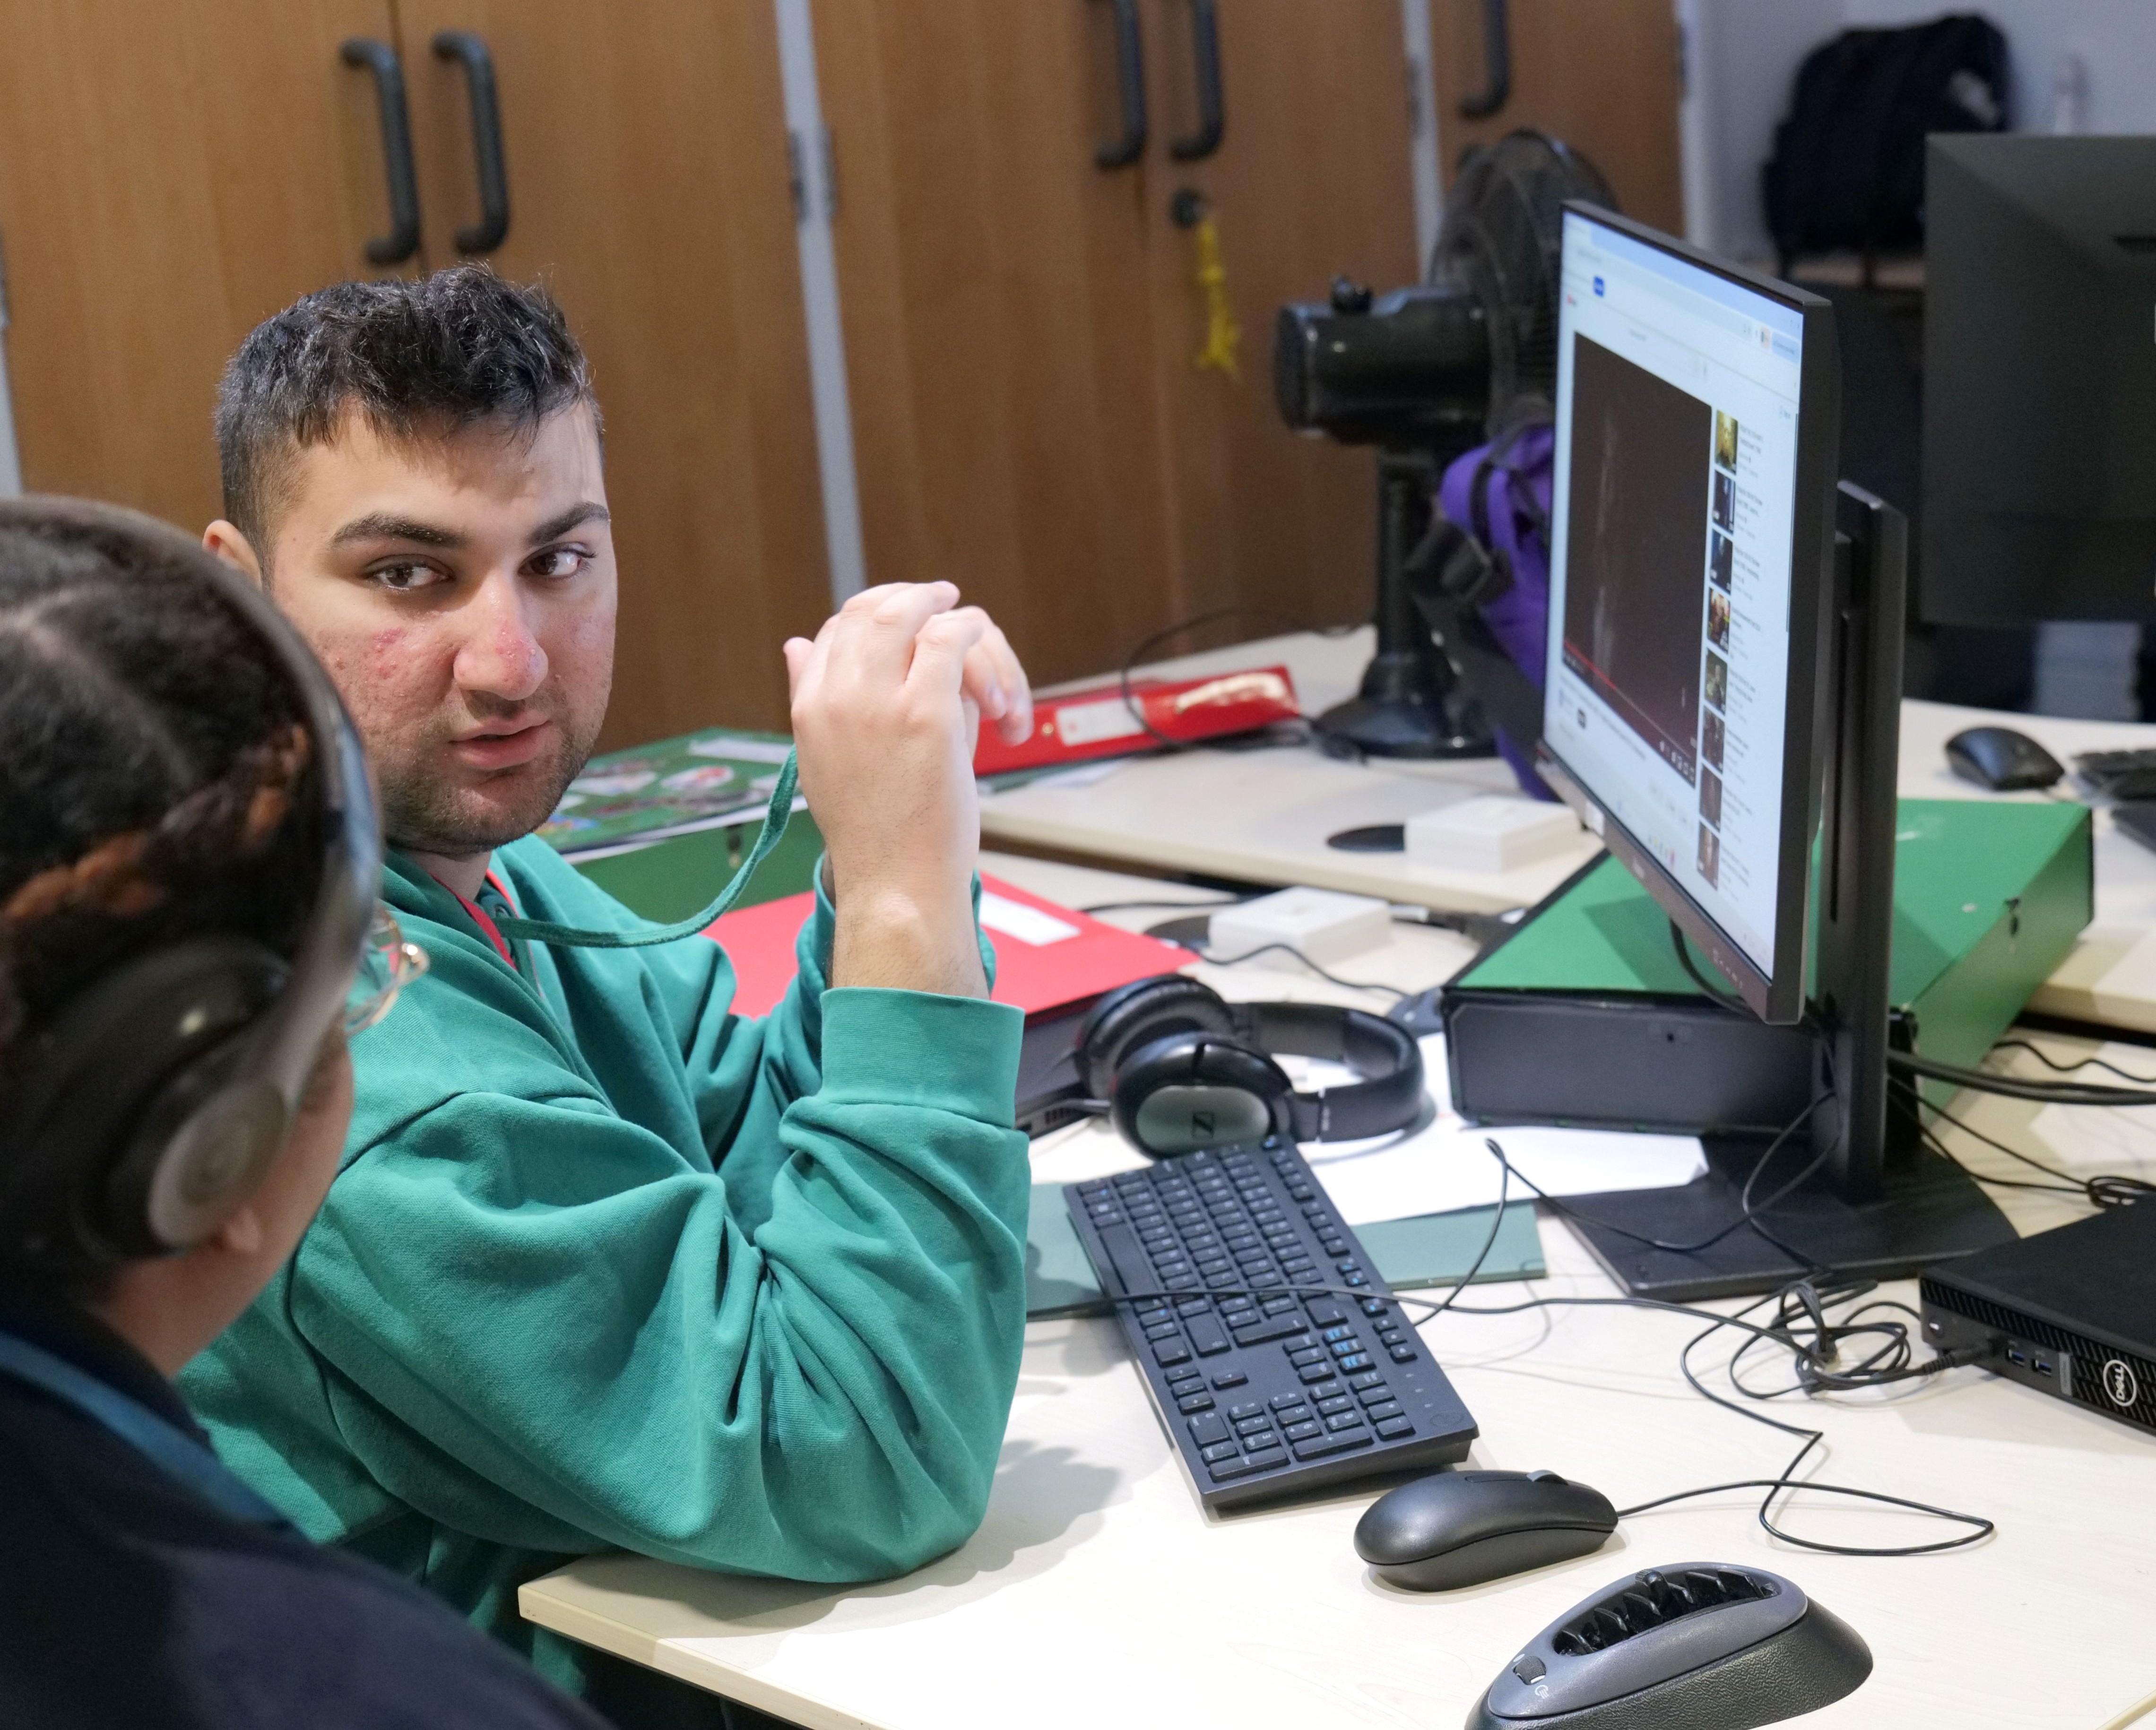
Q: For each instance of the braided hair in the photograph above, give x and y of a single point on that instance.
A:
(155, 770)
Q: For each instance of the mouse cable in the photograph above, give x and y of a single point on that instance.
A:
(1230, 960)
(1146, 644)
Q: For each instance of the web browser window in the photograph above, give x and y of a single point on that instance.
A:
(1671, 538)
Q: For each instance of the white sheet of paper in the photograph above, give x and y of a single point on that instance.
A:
(1444, 1165)
(1029, 925)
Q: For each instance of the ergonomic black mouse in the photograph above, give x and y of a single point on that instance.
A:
(1459, 1528)
(2001, 759)
(1704, 1645)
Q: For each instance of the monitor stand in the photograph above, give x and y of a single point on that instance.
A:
(1881, 1205)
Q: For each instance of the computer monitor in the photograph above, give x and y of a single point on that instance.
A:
(1691, 541)
(2040, 380)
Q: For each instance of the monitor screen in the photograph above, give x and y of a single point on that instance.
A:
(1675, 533)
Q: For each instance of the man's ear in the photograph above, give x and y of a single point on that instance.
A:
(227, 543)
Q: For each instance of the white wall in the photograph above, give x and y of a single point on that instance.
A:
(1743, 56)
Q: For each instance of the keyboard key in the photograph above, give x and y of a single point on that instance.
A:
(1356, 1360)
(1334, 1246)
(1216, 1270)
(1228, 1378)
(1376, 1394)
(1323, 1390)
(1374, 1306)
(1353, 1280)
(1383, 1410)
(1193, 1305)
(1249, 1408)
(1208, 1335)
(1338, 1403)
(1264, 1459)
(1218, 1451)
(1346, 1348)
(1277, 1303)
(1171, 1351)
(1403, 1354)
(1391, 1337)
(1338, 1331)
(1227, 1469)
(1344, 1420)
(1348, 1266)
(1392, 1429)
(1291, 1414)
(1260, 1281)
(1277, 1328)
(1318, 1446)
(1316, 1373)
(1251, 1426)
(1186, 1372)
(1325, 1312)
(1194, 1403)
(1308, 1354)
(1367, 1379)
(1163, 1330)
(1208, 1428)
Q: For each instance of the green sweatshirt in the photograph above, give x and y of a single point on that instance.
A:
(608, 1264)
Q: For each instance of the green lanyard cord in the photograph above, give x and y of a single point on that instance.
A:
(776, 816)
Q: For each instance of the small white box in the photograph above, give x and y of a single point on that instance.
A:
(1489, 834)
(1319, 923)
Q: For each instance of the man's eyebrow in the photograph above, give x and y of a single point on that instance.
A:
(562, 522)
(385, 525)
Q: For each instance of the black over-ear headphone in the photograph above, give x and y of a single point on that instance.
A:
(1183, 1069)
(153, 1104)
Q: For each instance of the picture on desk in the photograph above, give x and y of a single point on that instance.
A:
(1725, 439)
(1718, 618)
(1717, 686)
(1711, 735)
(1633, 576)
(1720, 557)
(1725, 500)
(1710, 855)
(1710, 797)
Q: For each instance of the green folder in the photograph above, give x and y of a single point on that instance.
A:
(1431, 1250)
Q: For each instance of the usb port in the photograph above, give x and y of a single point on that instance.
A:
(2043, 1368)
(2015, 1355)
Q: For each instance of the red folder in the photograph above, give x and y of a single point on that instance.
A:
(1047, 956)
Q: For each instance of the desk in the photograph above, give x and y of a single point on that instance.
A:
(1262, 816)
(1098, 1593)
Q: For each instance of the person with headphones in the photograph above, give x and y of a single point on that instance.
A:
(189, 863)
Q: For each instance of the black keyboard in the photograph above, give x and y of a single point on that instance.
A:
(1264, 1391)
(2122, 774)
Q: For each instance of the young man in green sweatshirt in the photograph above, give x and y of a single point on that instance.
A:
(606, 1264)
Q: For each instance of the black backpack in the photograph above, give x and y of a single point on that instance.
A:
(1848, 169)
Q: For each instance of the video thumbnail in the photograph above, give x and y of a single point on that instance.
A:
(1725, 439)
(1711, 737)
(1710, 797)
(1710, 855)
(1721, 556)
(1725, 500)
(1718, 681)
(1718, 618)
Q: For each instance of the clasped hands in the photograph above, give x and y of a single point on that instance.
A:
(887, 702)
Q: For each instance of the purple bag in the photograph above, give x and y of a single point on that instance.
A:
(1493, 564)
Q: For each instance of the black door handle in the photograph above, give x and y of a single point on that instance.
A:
(1205, 65)
(402, 240)
(492, 227)
(1496, 61)
(1130, 90)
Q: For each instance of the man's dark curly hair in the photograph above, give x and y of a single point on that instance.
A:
(423, 358)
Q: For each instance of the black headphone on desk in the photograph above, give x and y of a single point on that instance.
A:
(1182, 1069)
(155, 1103)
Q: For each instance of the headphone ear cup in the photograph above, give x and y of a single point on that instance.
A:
(1191, 1090)
(125, 1135)
(1135, 1014)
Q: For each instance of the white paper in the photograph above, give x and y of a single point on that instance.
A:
(1445, 1165)
(742, 750)
(1090, 723)
(1029, 925)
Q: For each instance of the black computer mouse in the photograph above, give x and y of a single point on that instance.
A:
(1705, 1645)
(1459, 1528)
(2001, 759)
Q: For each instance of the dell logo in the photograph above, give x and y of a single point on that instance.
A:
(1201, 1123)
(2120, 1382)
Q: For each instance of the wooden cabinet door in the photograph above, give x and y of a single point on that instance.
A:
(1311, 181)
(170, 175)
(646, 157)
(1601, 75)
(1008, 413)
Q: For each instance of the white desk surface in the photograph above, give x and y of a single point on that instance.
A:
(1097, 1591)
(1262, 816)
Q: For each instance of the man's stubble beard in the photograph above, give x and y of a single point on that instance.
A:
(421, 814)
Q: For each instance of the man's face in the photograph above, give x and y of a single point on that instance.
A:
(461, 593)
